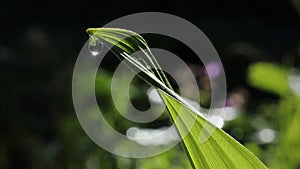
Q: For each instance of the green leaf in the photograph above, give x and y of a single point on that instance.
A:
(220, 150)
(269, 77)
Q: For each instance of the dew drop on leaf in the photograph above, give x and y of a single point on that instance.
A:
(95, 45)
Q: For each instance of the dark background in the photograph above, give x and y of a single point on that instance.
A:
(40, 41)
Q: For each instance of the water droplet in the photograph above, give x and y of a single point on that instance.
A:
(95, 45)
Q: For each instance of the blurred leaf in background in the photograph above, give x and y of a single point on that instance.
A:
(284, 111)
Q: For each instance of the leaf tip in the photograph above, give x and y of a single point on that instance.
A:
(91, 31)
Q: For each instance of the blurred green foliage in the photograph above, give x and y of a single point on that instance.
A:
(280, 114)
(269, 77)
(284, 115)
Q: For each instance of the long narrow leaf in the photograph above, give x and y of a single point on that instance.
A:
(219, 151)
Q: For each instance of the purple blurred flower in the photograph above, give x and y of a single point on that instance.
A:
(213, 70)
